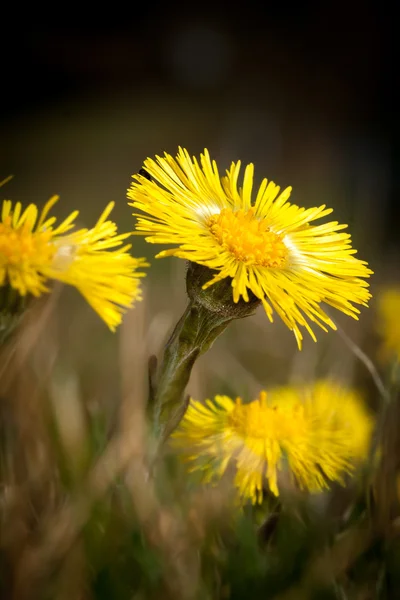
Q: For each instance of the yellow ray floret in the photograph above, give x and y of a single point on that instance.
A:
(34, 250)
(264, 244)
(317, 432)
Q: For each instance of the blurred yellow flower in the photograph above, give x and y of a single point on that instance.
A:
(388, 308)
(33, 250)
(266, 246)
(320, 432)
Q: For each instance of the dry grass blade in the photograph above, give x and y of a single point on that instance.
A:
(163, 529)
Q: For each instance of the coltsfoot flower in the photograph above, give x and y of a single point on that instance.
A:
(265, 245)
(319, 433)
(34, 250)
(388, 309)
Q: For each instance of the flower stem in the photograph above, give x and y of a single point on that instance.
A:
(192, 336)
(207, 315)
(12, 306)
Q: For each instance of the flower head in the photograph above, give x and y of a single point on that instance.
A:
(319, 432)
(388, 307)
(34, 250)
(265, 245)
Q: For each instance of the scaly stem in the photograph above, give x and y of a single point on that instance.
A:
(192, 336)
(207, 315)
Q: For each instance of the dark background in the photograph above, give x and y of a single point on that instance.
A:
(306, 91)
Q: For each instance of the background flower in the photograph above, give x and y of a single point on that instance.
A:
(320, 432)
(34, 250)
(388, 308)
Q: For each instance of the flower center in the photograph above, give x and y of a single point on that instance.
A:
(258, 420)
(250, 240)
(18, 247)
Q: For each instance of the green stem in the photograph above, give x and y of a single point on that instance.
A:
(12, 306)
(207, 315)
(192, 336)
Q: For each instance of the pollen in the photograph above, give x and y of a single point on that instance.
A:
(260, 420)
(248, 239)
(19, 246)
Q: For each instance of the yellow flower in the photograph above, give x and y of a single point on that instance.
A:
(320, 432)
(388, 307)
(267, 245)
(33, 250)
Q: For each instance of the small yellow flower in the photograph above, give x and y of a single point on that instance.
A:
(266, 246)
(388, 308)
(34, 250)
(320, 432)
